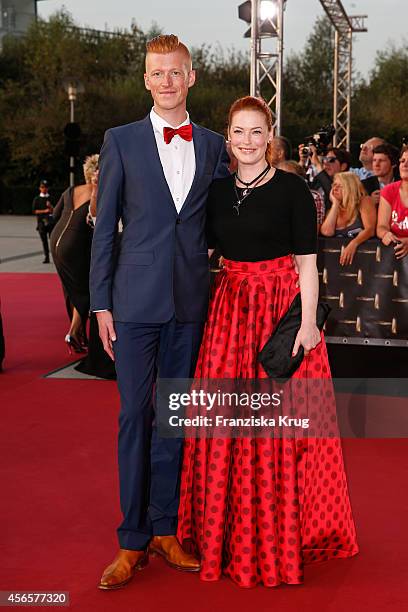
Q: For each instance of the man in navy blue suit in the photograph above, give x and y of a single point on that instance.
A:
(151, 300)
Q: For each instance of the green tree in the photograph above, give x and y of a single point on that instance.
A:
(380, 103)
(222, 77)
(33, 102)
(308, 84)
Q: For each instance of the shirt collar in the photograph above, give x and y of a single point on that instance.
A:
(159, 123)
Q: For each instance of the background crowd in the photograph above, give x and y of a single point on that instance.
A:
(358, 202)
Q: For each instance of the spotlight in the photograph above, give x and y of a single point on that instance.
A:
(267, 10)
(268, 13)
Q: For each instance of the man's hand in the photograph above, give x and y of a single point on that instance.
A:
(315, 158)
(106, 331)
(388, 238)
(303, 159)
(401, 248)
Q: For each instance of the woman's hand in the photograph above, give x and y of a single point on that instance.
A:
(375, 196)
(347, 254)
(89, 220)
(401, 248)
(333, 198)
(94, 193)
(388, 238)
(308, 336)
(94, 183)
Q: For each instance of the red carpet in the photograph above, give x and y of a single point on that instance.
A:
(59, 504)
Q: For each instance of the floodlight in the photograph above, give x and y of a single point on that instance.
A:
(268, 9)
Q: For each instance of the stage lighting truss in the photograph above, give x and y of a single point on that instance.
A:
(266, 20)
(344, 26)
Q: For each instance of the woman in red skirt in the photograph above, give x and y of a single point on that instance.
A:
(258, 509)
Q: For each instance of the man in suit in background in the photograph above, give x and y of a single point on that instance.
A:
(152, 301)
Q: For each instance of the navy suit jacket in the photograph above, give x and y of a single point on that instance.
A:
(161, 269)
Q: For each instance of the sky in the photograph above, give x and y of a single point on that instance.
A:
(216, 21)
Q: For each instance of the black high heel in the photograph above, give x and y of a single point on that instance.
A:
(74, 345)
(84, 342)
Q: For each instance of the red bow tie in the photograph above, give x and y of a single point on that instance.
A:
(185, 132)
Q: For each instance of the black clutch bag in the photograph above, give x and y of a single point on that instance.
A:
(276, 356)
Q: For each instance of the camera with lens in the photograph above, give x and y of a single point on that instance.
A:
(321, 140)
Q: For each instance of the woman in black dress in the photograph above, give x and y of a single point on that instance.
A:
(96, 362)
(71, 241)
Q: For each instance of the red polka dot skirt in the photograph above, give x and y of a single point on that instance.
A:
(258, 509)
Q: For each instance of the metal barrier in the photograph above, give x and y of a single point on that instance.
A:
(369, 298)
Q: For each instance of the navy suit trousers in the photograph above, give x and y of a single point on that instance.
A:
(149, 466)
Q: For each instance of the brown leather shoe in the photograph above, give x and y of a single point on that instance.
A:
(123, 568)
(170, 549)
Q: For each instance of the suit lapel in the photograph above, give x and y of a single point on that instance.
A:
(152, 158)
(200, 150)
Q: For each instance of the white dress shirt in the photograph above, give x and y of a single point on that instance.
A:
(177, 159)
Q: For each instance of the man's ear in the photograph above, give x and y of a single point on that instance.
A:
(191, 78)
(146, 80)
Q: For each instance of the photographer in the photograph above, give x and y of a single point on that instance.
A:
(336, 160)
(42, 208)
(317, 145)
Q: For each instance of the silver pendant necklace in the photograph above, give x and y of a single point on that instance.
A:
(248, 189)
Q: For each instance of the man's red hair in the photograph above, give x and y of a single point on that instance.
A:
(167, 43)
